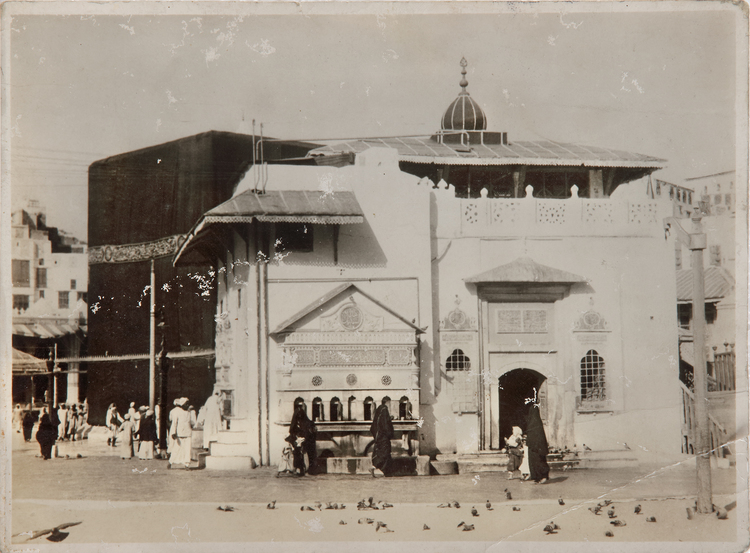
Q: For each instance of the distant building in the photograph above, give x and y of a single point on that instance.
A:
(680, 196)
(716, 192)
(50, 282)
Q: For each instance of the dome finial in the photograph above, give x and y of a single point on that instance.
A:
(464, 83)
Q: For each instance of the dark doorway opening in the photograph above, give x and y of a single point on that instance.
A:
(519, 391)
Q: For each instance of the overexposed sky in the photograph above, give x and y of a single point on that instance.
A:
(85, 87)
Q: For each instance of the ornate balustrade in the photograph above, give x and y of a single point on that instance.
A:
(572, 216)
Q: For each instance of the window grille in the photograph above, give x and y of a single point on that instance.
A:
(20, 302)
(63, 300)
(593, 385)
(463, 382)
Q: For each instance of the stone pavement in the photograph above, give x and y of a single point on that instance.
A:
(181, 506)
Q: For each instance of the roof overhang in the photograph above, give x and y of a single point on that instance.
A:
(278, 206)
(524, 278)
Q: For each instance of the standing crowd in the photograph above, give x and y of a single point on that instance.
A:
(69, 422)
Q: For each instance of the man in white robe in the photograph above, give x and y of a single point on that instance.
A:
(182, 436)
(212, 419)
(170, 419)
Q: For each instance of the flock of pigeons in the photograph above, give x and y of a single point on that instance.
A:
(57, 535)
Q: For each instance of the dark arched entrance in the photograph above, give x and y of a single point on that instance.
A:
(519, 390)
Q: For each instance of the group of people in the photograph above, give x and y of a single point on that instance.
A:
(299, 455)
(136, 431)
(67, 422)
(527, 453)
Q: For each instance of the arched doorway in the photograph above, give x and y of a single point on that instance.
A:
(519, 390)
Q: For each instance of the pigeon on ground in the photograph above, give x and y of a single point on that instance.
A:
(365, 521)
(595, 510)
(508, 495)
(516, 508)
(79, 456)
(722, 514)
(689, 513)
(226, 508)
(308, 508)
(608, 534)
(651, 519)
(445, 506)
(425, 527)
(586, 448)
(342, 523)
(607, 502)
(474, 512)
(637, 509)
(618, 523)
(379, 525)
(560, 501)
(460, 524)
(55, 534)
(550, 529)
(318, 505)
(488, 505)
(611, 513)
(626, 446)
(468, 527)
(271, 505)
(456, 504)
(386, 505)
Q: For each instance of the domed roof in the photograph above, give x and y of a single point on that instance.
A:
(464, 114)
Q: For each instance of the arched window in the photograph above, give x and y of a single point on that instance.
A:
(318, 411)
(369, 410)
(462, 381)
(337, 410)
(457, 361)
(593, 383)
(404, 408)
(351, 408)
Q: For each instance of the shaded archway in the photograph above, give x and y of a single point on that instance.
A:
(518, 392)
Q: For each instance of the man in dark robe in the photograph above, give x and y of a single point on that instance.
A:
(536, 441)
(46, 435)
(382, 432)
(28, 424)
(302, 439)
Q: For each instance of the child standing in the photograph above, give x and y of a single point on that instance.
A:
(515, 452)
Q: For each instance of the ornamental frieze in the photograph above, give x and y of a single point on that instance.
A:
(347, 356)
(361, 337)
(130, 253)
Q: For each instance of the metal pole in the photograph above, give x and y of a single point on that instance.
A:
(704, 502)
(152, 341)
(54, 379)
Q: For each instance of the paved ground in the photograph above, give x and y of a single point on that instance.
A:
(121, 501)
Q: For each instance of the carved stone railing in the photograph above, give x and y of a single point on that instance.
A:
(573, 216)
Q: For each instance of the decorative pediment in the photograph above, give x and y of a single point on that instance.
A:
(346, 310)
(590, 321)
(458, 320)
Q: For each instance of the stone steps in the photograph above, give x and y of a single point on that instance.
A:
(229, 463)
(219, 449)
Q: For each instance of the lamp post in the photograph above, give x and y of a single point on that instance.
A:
(696, 242)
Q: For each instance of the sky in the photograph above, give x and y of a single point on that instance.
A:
(85, 87)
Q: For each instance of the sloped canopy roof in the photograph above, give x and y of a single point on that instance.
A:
(717, 284)
(281, 206)
(320, 303)
(540, 153)
(525, 270)
(23, 363)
